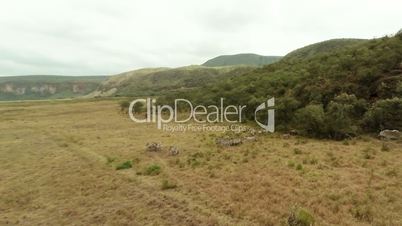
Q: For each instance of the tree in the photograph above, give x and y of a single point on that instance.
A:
(384, 114)
(286, 108)
(311, 120)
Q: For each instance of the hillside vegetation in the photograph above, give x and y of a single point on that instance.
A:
(160, 81)
(334, 92)
(47, 86)
(322, 47)
(241, 59)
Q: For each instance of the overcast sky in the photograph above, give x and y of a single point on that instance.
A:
(98, 37)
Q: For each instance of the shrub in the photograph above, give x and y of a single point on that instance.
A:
(341, 116)
(152, 170)
(339, 126)
(285, 108)
(384, 114)
(297, 151)
(313, 161)
(299, 167)
(354, 108)
(124, 165)
(300, 217)
(124, 105)
(363, 213)
(138, 107)
(311, 120)
(341, 119)
(168, 185)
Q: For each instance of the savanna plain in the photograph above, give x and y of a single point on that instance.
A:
(85, 163)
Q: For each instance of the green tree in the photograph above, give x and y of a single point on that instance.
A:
(285, 111)
(384, 114)
(311, 120)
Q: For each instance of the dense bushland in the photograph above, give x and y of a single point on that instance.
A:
(330, 94)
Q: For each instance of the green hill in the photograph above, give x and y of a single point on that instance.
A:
(332, 89)
(34, 87)
(322, 47)
(241, 59)
(159, 81)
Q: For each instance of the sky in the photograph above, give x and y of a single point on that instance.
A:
(105, 37)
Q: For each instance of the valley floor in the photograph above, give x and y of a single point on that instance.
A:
(58, 159)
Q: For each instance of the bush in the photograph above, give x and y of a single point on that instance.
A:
(168, 185)
(124, 105)
(311, 120)
(384, 114)
(138, 107)
(341, 119)
(152, 170)
(300, 217)
(124, 165)
(343, 116)
(297, 151)
(363, 213)
(313, 161)
(285, 110)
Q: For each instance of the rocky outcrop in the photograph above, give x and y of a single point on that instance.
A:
(153, 147)
(250, 138)
(44, 89)
(389, 134)
(228, 141)
(173, 150)
(47, 87)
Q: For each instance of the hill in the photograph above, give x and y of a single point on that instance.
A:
(47, 86)
(241, 59)
(159, 81)
(322, 47)
(336, 91)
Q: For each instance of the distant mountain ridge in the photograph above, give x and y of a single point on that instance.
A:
(33, 87)
(241, 59)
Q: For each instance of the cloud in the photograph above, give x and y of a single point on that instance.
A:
(79, 37)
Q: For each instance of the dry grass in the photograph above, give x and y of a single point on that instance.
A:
(58, 166)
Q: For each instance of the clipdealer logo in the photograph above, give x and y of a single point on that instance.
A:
(163, 114)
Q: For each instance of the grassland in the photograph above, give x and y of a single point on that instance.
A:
(58, 166)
